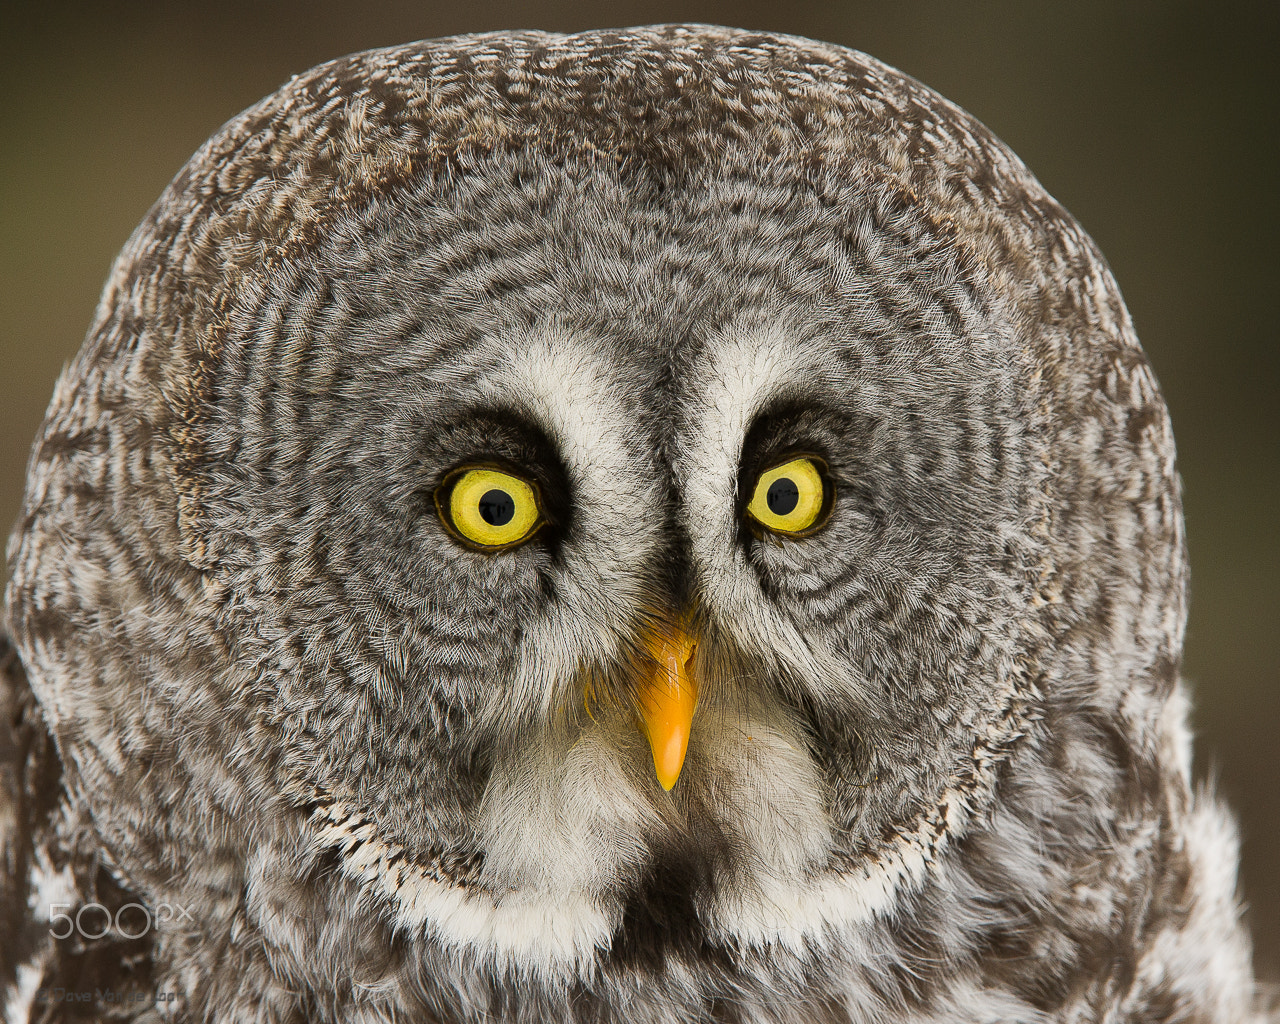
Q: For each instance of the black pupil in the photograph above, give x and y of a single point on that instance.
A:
(497, 507)
(783, 496)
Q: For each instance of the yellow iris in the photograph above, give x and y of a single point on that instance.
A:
(790, 499)
(490, 508)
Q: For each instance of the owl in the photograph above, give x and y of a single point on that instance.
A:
(665, 525)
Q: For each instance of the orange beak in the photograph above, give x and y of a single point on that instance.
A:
(667, 697)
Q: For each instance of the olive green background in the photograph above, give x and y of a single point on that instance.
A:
(1154, 123)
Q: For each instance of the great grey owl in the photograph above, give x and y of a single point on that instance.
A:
(668, 525)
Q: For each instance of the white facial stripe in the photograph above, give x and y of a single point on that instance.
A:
(744, 369)
(575, 393)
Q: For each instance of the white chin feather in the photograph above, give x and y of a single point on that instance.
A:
(569, 824)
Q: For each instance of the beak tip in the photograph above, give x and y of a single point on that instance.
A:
(668, 759)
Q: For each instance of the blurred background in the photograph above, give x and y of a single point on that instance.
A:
(1155, 123)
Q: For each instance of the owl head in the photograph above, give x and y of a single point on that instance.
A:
(659, 515)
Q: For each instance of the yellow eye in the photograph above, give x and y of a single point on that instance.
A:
(489, 508)
(791, 498)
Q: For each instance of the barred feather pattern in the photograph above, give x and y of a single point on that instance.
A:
(940, 763)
